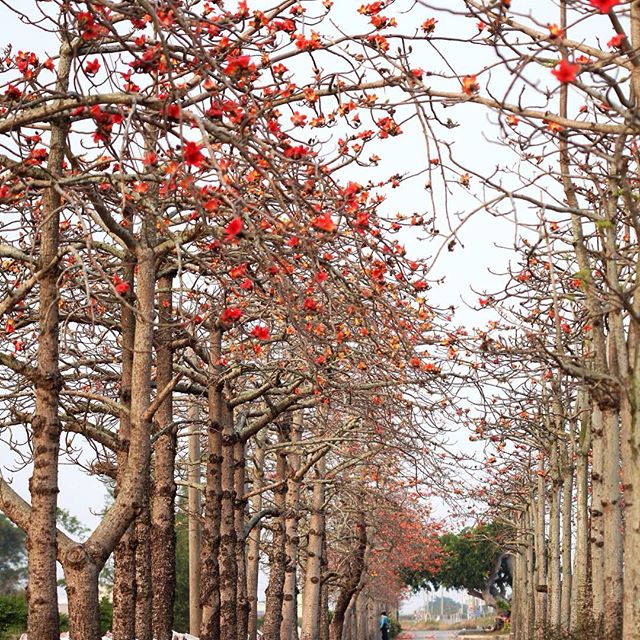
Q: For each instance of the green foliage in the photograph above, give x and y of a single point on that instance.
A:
(13, 614)
(106, 615)
(448, 607)
(13, 557)
(466, 561)
(70, 524)
(394, 628)
(181, 602)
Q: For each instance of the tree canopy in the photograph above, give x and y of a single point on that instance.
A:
(475, 560)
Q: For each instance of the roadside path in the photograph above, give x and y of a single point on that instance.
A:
(428, 635)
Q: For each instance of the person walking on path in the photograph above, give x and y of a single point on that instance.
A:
(384, 625)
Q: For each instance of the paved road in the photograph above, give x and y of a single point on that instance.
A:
(429, 635)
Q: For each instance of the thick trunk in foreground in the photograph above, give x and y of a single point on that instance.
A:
(42, 596)
(163, 541)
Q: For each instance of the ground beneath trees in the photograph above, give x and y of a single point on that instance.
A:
(428, 635)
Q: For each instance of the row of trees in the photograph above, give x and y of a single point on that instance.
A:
(195, 298)
(558, 360)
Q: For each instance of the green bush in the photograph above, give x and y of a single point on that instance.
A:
(395, 628)
(13, 614)
(106, 615)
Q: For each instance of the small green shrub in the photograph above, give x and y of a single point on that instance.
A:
(106, 615)
(395, 628)
(13, 613)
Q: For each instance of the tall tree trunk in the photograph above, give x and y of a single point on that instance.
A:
(554, 540)
(83, 562)
(163, 541)
(253, 544)
(227, 562)
(240, 508)
(323, 619)
(124, 561)
(81, 583)
(597, 522)
(143, 569)
(210, 573)
(541, 551)
(289, 626)
(519, 586)
(313, 572)
(351, 580)
(42, 595)
(567, 512)
(631, 480)
(611, 507)
(581, 593)
(531, 574)
(195, 531)
(277, 560)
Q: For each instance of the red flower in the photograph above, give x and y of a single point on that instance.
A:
(604, 5)
(469, 85)
(233, 229)
(324, 223)
(239, 271)
(261, 332)
(230, 315)
(296, 153)
(120, 285)
(565, 71)
(92, 67)
(310, 304)
(193, 155)
(616, 41)
(173, 112)
(239, 65)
